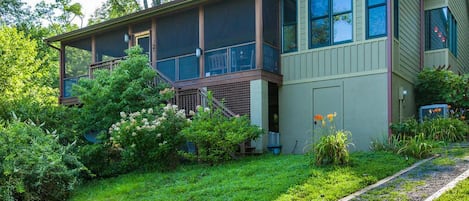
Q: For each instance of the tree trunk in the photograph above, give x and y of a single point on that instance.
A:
(145, 4)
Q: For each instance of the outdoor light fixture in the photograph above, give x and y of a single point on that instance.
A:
(126, 38)
(198, 52)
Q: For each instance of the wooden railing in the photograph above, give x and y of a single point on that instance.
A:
(185, 99)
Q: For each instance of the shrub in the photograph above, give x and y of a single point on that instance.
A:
(34, 166)
(438, 129)
(417, 146)
(440, 85)
(445, 129)
(332, 149)
(216, 136)
(129, 87)
(147, 139)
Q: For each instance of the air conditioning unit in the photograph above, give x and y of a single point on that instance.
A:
(433, 111)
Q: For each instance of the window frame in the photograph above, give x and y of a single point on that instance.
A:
(289, 24)
(451, 42)
(367, 19)
(329, 16)
(396, 19)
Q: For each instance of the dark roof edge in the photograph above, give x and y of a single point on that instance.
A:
(163, 8)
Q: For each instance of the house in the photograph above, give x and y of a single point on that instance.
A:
(283, 61)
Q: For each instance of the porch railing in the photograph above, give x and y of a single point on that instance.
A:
(185, 99)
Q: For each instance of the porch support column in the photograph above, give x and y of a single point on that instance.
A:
(154, 40)
(201, 40)
(259, 35)
(93, 49)
(62, 71)
(131, 38)
(259, 104)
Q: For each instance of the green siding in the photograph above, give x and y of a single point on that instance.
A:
(355, 57)
(409, 39)
(460, 8)
(360, 103)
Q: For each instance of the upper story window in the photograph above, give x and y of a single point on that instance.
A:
(290, 21)
(376, 18)
(331, 22)
(440, 30)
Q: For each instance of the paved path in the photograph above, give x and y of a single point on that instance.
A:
(425, 180)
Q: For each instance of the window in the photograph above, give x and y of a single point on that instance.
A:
(331, 22)
(396, 19)
(290, 42)
(376, 18)
(441, 30)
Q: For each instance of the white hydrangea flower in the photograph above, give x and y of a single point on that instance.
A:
(206, 109)
(192, 113)
(158, 135)
(150, 111)
(133, 145)
(134, 134)
(123, 114)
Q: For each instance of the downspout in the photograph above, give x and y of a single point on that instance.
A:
(422, 33)
(389, 55)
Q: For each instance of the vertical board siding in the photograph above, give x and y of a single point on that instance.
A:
(409, 38)
(350, 58)
(436, 57)
(459, 8)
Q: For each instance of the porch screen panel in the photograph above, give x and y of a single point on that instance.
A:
(142, 26)
(271, 22)
(77, 61)
(111, 45)
(229, 23)
(178, 34)
(77, 58)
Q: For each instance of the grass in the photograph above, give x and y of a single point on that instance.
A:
(267, 177)
(460, 192)
(389, 192)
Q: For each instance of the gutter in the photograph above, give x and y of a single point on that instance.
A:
(389, 54)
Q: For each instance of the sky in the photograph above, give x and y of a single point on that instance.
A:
(88, 6)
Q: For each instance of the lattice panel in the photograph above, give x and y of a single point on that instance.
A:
(236, 96)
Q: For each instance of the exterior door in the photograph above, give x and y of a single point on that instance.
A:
(143, 40)
(328, 100)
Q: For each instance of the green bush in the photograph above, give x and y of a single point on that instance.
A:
(438, 129)
(216, 136)
(34, 165)
(417, 146)
(436, 85)
(146, 139)
(445, 129)
(127, 88)
(332, 149)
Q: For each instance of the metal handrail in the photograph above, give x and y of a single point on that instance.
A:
(227, 112)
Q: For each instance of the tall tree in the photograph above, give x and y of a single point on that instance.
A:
(14, 12)
(113, 9)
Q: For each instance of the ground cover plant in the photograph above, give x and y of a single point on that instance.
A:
(460, 192)
(286, 177)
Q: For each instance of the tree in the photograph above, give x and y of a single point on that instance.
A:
(113, 9)
(13, 12)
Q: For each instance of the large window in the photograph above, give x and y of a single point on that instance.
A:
(441, 30)
(376, 18)
(331, 22)
(290, 42)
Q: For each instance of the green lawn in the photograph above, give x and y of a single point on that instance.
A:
(267, 177)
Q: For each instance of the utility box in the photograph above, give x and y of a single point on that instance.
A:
(274, 143)
(433, 111)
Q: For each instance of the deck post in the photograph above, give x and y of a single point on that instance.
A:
(201, 40)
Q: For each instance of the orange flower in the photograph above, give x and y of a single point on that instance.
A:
(318, 117)
(331, 116)
(463, 117)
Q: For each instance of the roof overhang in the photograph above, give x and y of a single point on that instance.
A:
(134, 17)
